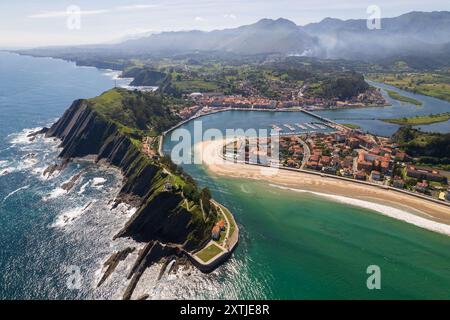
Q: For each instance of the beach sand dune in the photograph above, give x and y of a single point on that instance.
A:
(429, 215)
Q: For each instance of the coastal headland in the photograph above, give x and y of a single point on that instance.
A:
(174, 217)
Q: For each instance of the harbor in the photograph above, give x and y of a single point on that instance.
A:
(287, 129)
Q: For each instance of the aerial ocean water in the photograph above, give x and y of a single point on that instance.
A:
(293, 245)
(46, 234)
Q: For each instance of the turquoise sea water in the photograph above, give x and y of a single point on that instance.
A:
(298, 245)
(293, 245)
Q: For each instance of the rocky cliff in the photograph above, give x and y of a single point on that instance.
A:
(161, 215)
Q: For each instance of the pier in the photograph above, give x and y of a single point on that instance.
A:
(329, 123)
(289, 127)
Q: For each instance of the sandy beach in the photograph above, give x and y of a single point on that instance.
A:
(422, 213)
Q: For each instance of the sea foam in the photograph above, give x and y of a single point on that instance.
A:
(22, 137)
(15, 191)
(83, 188)
(98, 182)
(383, 209)
(68, 217)
(55, 194)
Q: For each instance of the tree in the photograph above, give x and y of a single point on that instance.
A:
(205, 198)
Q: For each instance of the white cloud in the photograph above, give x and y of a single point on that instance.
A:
(137, 7)
(230, 16)
(199, 19)
(58, 14)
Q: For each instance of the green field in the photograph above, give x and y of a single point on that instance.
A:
(209, 252)
(351, 126)
(397, 96)
(196, 86)
(430, 84)
(245, 76)
(420, 120)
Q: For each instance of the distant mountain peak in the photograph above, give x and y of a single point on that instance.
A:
(329, 19)
(278, 22)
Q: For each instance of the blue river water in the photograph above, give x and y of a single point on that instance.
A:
(369, 118)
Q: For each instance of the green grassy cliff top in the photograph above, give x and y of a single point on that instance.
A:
(134, 112)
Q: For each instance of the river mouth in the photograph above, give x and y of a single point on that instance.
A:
(306, 246)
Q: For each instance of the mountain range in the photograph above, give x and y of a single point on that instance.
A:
(414, 34)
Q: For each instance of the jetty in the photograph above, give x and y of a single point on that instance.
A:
(327, 122)
(289, 127)
(320, 126)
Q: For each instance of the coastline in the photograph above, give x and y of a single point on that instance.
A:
(425, 214)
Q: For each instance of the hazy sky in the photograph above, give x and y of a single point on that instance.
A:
(45, 22)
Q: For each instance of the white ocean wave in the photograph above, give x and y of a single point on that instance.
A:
(98, 182)
(55, 194)
(5, 171)
(20, 166)
(83, 188)
(27, 163)
(22, 137)
(39, 172)
(383, 209)
(68, 217)
(15, 191)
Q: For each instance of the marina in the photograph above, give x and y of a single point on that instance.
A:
(306, 128)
